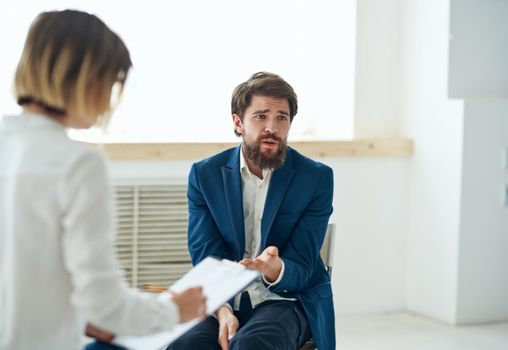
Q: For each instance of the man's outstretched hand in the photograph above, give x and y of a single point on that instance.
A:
(268, 263)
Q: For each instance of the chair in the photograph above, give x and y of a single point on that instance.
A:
(327, 248)
(326, 253)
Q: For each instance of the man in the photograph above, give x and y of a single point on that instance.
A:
(267, 206)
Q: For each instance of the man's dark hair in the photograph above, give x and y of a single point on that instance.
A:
(263, 84)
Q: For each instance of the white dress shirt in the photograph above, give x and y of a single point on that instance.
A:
(254, 192)
(57, 265)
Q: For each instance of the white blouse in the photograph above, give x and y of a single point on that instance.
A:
(57, 265)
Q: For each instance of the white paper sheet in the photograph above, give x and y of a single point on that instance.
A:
(220, 279)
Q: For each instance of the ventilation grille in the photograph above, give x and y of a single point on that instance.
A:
(152, 232)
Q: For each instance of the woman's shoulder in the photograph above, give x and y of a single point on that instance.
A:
(65, 154)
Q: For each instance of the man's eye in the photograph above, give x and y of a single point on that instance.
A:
(283, 117)
(260, 116)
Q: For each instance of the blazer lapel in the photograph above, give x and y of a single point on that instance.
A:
(232, 183)
(278, 186)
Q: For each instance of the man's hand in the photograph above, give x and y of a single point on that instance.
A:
(191, 303)
(99, 334)
(268, 263)
(228, 325)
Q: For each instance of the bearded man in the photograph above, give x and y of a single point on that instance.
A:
(266, 206)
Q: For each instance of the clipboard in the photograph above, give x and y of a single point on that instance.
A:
(221, 280)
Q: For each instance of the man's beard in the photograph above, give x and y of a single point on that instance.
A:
(253, 152)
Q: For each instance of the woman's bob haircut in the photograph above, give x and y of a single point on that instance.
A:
(69, 64)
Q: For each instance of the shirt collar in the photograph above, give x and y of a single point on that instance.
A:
(40, 119)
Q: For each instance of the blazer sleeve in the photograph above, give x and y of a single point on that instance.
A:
(301, 254)
(204, 238)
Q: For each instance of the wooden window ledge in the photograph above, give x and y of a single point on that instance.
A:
(313, 149)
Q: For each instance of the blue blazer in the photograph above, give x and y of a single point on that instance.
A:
(295, 218)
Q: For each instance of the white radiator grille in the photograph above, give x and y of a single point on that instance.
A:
(152, 232)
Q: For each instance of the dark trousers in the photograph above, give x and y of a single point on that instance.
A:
(97, 345)
(274, 325)
(271, 325)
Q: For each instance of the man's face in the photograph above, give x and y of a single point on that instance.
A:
(264, 130)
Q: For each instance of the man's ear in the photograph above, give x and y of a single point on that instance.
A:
(238, 123)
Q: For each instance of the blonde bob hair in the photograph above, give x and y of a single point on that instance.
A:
(69, 64)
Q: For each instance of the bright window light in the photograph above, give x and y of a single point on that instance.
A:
(189, 55)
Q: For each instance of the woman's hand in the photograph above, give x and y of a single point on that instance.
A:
(191, 303)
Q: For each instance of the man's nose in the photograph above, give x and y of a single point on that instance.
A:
(271, 125)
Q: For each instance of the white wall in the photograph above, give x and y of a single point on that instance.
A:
(377, 69)
(479, 74)
(435, 124)
(402, 70)
(483, 257)
(175, 169)
(371, 194)
(458, 232)
(478, 50)
(370, 210)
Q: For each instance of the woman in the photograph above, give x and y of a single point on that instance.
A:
(57, 269)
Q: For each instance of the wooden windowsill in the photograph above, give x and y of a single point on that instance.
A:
(314, 149)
